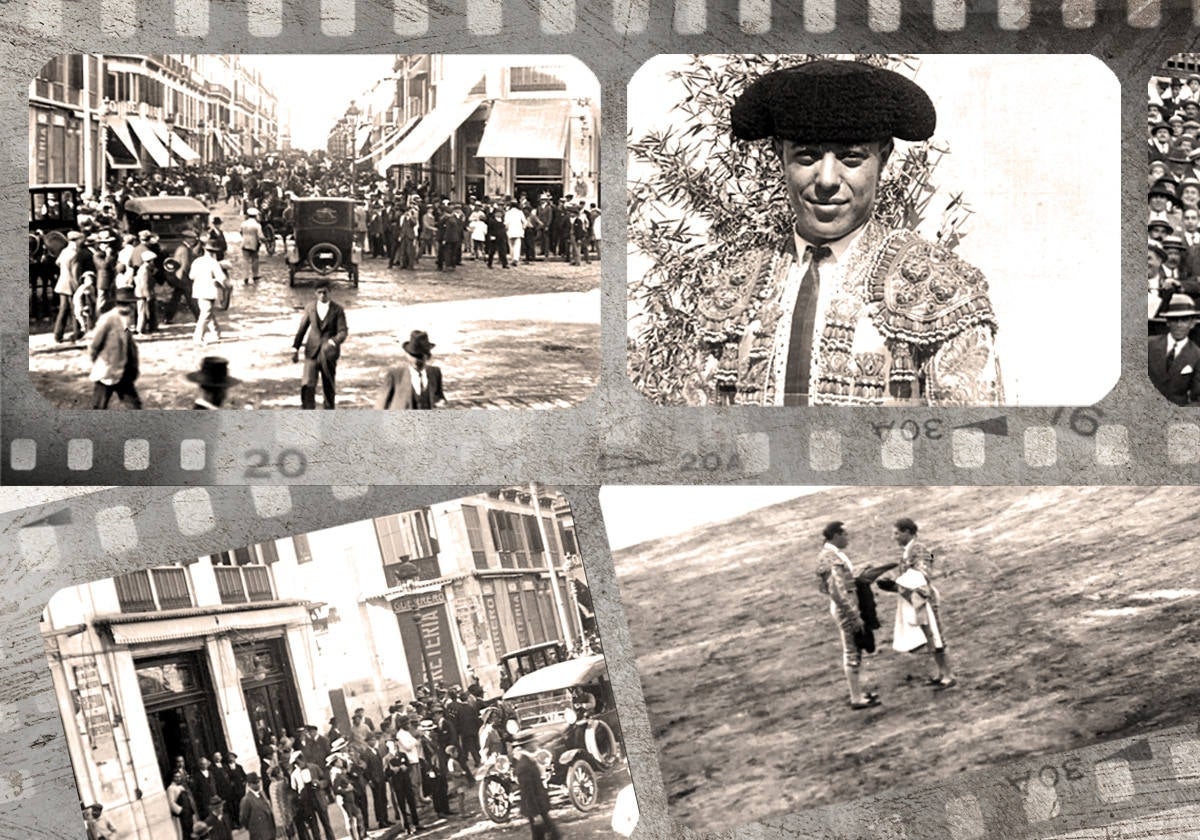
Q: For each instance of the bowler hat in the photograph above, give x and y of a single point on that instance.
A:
(1179, 306)
(125, 295)
(828, 101)
(419, 345)
(1166, 189)
(214, 373)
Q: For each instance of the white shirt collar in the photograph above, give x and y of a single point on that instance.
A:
(322, 309)
(837, 247)
(1172, 344)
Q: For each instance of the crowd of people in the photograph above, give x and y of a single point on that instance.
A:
(415, 768)
(1173, 234)
(106, 283)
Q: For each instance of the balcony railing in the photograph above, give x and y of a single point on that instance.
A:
(243, 584)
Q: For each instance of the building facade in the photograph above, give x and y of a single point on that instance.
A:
(91, 116)
(223, 652)
(476, 126)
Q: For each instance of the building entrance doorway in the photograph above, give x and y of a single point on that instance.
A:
(269, 690)
(180, 709)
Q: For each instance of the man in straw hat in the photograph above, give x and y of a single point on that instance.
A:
(844, 311)
(1173, 359)
(214, 381)
(414, 383)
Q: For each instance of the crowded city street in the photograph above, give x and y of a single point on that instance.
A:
(527, 337)
(226, 232)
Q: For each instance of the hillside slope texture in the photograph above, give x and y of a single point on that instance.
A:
(1071, 617)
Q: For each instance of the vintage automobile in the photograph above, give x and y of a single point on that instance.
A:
(569, 707)
(168, 216)
(517, 663)
(323, 238)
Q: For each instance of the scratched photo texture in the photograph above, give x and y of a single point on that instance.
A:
(1067, 615)
(184, 210)
(700, 202)
(376, 675)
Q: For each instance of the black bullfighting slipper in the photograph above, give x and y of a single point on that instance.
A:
(871, 702)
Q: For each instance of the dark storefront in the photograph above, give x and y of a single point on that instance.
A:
(269, 690)
(180, 708)
(425, 632)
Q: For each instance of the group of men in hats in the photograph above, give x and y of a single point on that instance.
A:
(1173, 239)
(843, 310)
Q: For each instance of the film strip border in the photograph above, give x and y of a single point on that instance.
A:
(1142, 786)
(483, 18)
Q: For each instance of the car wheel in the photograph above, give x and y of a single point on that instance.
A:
(494, 799)
(324, 257)
(581, 786)
(601, 743)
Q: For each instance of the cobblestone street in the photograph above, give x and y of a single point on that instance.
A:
(525, 337)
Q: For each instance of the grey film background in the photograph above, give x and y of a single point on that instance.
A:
(615, 434)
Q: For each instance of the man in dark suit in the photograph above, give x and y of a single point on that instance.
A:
(535, 801)
(372, 757)
(1174, 360)
(224, 786)
(450, 236)
(204, 788)
(322, 331)
(414, 383)
(255, 812)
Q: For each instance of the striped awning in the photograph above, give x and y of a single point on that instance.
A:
(120, 149)
(150, 141)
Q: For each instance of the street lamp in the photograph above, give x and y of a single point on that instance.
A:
(352, 135)
(169, 119)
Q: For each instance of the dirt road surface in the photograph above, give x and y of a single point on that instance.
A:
(523, 337)
(1072, 617)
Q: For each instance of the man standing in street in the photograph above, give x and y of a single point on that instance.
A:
(535, 801)
(252, 234)
(217, 237)
(114, 355)
(208, 278)
(450, 234)
(414, 383)
(321, 332)
(65, 287)
(514, 226)
(179, 277)
(255, 814)
(835, 578)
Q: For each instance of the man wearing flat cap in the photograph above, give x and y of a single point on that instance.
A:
(845, 311)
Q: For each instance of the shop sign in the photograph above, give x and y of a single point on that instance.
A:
(89, 695)
(411, 603)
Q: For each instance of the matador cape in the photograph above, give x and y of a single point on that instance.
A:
(910, 324)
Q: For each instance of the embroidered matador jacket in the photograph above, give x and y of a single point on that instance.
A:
(910, 324)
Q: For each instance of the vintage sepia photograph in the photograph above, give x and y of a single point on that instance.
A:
(818, 645)
(863, 230)
(1173, 229)
(437, 672)
(299, 231)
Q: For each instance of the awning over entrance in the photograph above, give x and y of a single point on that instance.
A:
(147, 136)
(180, 148)
(122, 153)
(388, 143)
(526, 129)
(431, 132)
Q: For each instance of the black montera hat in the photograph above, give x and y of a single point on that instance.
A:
(833, 101)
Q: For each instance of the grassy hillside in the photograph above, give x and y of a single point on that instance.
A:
(1072, 616)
